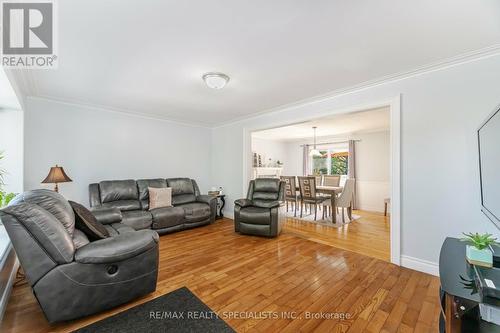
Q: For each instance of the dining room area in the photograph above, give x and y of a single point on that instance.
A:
(336, 172)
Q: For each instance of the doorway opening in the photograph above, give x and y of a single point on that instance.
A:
(359, 146)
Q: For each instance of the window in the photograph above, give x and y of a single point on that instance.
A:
(333, 161)
(339, 163)
(320, 163)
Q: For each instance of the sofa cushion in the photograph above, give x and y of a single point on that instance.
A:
(79, 239)
(183, 199)
(46, 229)
(86, 222)
(144, 184)
(137, 219)
(118, 228)
(181, 186)
(52, 202)
(255, 215)
(195, 211)
(267, 185)
(167, 217)
(107, 215)
(114, 190)
(123, 205)
(265, 196)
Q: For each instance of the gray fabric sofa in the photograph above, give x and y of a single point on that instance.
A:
(130, 199)
(73, 277)
(262, 212)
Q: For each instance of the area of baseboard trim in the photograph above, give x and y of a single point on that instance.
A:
(420, 265)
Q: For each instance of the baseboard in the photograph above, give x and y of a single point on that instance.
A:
(229, 214)
(371, 209)
(420, 265)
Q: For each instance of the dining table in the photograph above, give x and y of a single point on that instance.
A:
(333, 191)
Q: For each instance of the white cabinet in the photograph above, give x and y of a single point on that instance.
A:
(267, 172)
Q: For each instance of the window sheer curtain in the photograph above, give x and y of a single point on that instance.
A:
(351, 169)
(305, 160)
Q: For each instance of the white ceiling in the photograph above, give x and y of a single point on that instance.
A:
(149, 56)
(335, 126)
(8, 99)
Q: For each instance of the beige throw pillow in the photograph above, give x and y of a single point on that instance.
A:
(160, 197)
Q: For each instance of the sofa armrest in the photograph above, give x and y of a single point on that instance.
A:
(243, 203)
(205, 198)
(119, 248)
(107, 215)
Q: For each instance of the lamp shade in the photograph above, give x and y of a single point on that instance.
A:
(57, 175)
(314, 152)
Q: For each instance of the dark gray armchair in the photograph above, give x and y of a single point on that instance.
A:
(262, 212)
(71, 276)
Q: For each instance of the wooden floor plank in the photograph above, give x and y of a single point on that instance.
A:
(234, 273)
(368, 235)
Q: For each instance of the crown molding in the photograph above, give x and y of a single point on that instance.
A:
(102, 108)
(432, 67)
(26, 86)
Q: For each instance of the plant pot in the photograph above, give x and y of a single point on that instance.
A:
(478, 257)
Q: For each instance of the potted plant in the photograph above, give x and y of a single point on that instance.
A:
(5, 197)
(478, 251)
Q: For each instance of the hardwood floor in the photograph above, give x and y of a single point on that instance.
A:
(231, 272)
(368, 235)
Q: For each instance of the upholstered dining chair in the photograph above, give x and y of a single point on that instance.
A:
(309, 195)
(331, 180)
(291, 194)
(318, 179)
(344, 200)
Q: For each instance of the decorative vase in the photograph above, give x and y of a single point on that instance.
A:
(478, 257)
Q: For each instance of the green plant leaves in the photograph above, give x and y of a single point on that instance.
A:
(480, 241)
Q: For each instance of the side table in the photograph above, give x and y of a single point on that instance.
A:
(221, 202)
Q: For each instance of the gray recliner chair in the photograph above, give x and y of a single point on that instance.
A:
(262, 213)
(72, 277)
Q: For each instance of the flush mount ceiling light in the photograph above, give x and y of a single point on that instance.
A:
(215, 80)
(314, 151)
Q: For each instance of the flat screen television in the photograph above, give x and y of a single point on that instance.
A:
(489, 166)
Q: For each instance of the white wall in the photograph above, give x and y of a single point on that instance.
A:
(94, 144)
(294, 153)
(274, 149)
(440, 113)
(11, 144)
(373, 157)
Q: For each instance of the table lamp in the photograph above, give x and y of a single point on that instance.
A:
(56, 175)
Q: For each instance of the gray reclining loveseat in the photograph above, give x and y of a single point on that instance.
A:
(71, 276)
(130, 199)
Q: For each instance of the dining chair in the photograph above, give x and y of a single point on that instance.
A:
(331, 180)
(344, 200)
(309, 195)
(291, 194)
(318, 178)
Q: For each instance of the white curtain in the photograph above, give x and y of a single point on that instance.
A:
(351, 168)
(305, 160)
